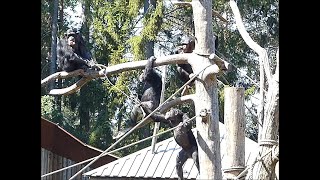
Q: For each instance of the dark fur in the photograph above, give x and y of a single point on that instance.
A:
(70, 59)
(151, 91)
(184, 70)
(182, 135)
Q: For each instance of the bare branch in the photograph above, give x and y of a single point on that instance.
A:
(181, 3)
(177, 101)
(71, 89)
(246, 37)
(216, 13)
(62, 74)
(219, 65)
(222, 64)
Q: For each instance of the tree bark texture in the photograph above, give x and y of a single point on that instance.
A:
(265, 169)
(234, 118)
(54, 41)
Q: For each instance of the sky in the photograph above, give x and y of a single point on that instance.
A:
(76, 16)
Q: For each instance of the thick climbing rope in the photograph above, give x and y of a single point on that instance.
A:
(249, 168)
(141, 122)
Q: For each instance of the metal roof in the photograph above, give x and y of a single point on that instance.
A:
(58, 141)
(144, 164)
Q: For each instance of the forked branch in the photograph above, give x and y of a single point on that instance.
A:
(218, 63)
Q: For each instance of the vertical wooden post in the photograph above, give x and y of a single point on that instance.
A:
(234, 119)
(208, 135)
(157, 124)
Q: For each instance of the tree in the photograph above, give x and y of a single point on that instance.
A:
(269, 149)
(206, 84)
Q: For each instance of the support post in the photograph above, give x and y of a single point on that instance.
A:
(234, 119)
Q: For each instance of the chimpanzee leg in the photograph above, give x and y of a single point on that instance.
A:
(195, 157)
(136, 111)
(181, 159)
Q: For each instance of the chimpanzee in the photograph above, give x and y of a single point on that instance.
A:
(150, 97)
(183, 136)
(72, 53)
(184, 70)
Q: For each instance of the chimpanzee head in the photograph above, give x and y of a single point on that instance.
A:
(175, 116)
(72, 37)
(188, 44)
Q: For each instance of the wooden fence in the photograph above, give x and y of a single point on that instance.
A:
(51, 162)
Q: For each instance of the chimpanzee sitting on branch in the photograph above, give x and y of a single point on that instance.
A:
(183, 136)
(72, 53)
(187, 45)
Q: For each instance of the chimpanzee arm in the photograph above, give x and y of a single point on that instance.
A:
(182, 71)
(149, 74)
(79, 60)
(186, 123)
(157, 117)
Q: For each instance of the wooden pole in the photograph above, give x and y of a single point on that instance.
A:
(234, 119)
(157, 124)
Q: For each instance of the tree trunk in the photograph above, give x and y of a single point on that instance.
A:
(269, 150)
(54, 41)
(234, 118)
(84, 112)
(208, 134)
(59, 82)
(269, 142)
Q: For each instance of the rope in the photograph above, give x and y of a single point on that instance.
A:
(268, 142)
(249, 168)
(141, 122)
(241, 71)
(132, 97)
(107, 153)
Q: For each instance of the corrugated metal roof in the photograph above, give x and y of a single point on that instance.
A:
(161, 164)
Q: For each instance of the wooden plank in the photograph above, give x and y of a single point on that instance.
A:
(69, 171)
(64, 173)
(45, 163)
(54, 166)
(50, 154)
(42, 162)
(59, 166)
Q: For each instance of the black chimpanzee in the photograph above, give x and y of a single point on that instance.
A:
(150, 97)
(184, 70)
(183, 136)
(72, 53)
(187, 45)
